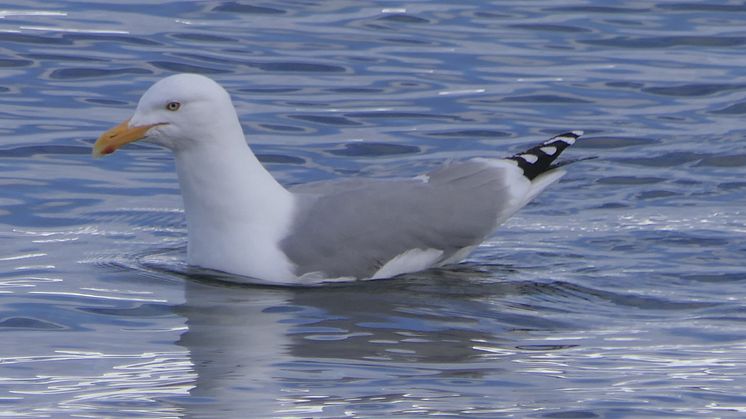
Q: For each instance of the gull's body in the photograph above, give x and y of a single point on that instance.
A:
(240, 220)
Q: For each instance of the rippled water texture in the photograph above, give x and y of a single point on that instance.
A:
(618, 293)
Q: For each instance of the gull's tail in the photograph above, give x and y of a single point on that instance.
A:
(539, 159)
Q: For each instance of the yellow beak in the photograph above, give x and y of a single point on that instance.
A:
(118, 136)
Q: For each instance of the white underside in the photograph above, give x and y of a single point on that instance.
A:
(521, 189)
(412, 260)
(542, 182)
(458, 256)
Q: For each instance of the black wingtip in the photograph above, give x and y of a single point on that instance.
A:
(538, 159)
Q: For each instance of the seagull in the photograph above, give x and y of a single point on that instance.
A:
(242, 221)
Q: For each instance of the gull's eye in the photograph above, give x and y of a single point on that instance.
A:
(173, 106)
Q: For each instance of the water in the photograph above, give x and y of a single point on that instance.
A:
(618, 293)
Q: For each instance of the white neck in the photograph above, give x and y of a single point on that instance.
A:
(236, 211)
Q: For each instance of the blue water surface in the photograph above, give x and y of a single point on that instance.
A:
(618, 293)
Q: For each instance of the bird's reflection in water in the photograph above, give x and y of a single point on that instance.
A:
(268, 351)
(237, 337)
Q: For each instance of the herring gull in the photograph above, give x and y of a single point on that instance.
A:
(240, 220)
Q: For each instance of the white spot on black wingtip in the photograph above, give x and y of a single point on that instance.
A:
(549, 150)
(540, 158)
(568, 139)
(529, 158)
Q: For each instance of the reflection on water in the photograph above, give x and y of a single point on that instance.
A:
(306, 351)
(448, 342)
(236, 341)
(618, 293)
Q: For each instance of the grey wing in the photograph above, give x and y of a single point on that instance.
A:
(354, 227)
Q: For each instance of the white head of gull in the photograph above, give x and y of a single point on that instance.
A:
(240, 220)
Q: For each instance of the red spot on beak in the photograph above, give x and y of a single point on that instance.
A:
(108, 150)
